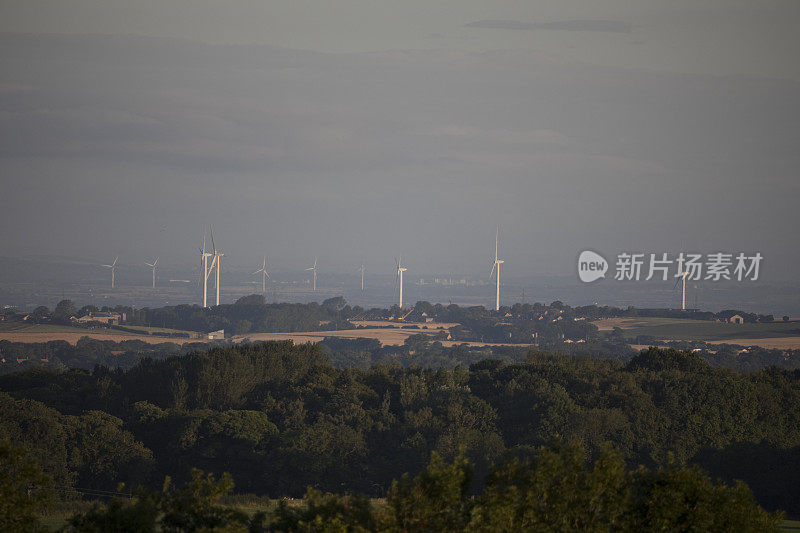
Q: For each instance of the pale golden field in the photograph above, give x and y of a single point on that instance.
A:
(780, 343)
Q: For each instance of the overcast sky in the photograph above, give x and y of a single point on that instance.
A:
(358, 130)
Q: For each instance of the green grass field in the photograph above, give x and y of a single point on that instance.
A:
(149, 329)
(702, 330)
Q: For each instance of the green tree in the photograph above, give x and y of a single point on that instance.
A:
(63, 311)
(196, 506)
(120, 516)
(556, 490)
(685, 499)
(23, 490)
(435, 500)
(325, 513)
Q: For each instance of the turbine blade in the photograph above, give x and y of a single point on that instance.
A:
(214, 246)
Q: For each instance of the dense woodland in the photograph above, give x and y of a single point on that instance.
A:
(281, 418)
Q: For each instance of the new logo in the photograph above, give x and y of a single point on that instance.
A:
(591, 266)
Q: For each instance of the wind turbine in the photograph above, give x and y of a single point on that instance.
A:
(113, 267)
(217, 261)
(206, 270)
(264, 275)
(400, 271)
(314, 269)
(153, 264)
(496, 264)
(362, 269)
(683, 292)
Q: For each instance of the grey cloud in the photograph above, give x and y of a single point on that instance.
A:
(611, 26)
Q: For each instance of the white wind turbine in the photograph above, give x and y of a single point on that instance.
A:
(496, 265)
(206, 270)
(314, 270)
(217, 262)
(264, 275)
(153, 265)
(683, 291)
(399, 276)
(682, 275)
(113, 267)
(362, 269)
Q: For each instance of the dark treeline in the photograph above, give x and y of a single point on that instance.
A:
(520, 323)
(536, 311)
(86, 353)
(280, 418)
(247, 314)
(420, 350)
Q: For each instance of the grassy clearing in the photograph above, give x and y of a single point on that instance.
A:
(152, 329)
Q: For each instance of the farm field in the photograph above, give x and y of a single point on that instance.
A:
(392, 324)
(778, 343)
(701, 330)
(386, 336)
(30, 333)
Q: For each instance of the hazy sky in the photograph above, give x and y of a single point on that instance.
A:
(359, 130)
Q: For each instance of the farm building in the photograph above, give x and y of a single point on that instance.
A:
(104, 318)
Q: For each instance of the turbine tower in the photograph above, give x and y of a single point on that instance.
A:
(496, 265)
(264, 275)
(362, 276)
(206, 270)
(153, 265)
(400, 271)
(314, 270)
(683, 291)
(113, 267)
(217, 262)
